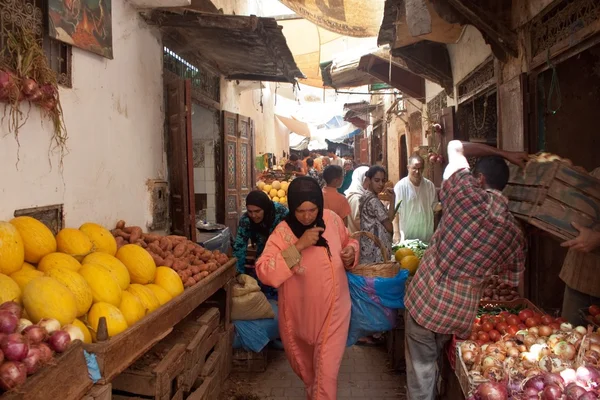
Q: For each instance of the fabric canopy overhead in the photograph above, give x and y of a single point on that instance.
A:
(356, 18)
(310, 45)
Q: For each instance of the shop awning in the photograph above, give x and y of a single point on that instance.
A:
(239, 47)
(374, 68)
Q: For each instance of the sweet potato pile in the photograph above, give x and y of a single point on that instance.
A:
(191, 261)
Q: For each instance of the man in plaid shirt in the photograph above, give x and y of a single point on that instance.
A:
(477, 237)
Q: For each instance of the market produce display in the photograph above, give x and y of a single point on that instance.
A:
(418, 247)
(276, 190)
(496, 290)
(142, 252)
(26, 347)
(592, 314)
(526, 355)
(82, 275)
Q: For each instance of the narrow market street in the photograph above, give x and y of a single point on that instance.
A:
(364, 374)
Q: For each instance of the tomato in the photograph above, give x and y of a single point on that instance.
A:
(513, 320)
(524, 314)
(512, 330)
(560, 320)
(498, 319)
(480, 342)
(597, 318)
(484, 337)
(476, 327)
(473, 336)
(547, 319)
(594, 310)
(522, 326)
(505, 314)
(538, 319)
(530, 322)
(501, 327)
(494, 335)
(487, 326)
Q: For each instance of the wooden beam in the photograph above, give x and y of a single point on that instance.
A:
(499, 36)
(418, 17)
(198, 20)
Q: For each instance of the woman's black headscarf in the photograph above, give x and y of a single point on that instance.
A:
(259, 199)
(300, 190)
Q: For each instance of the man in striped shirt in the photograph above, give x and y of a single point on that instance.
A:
(477, 237)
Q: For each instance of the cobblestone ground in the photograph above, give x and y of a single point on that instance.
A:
(363, 375)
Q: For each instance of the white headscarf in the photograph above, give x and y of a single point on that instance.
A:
(358, 178)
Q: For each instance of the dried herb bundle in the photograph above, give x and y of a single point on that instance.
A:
(25, 75)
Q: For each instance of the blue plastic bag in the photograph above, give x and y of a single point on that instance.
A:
(92, 365)
(255, 335)
(375, 302)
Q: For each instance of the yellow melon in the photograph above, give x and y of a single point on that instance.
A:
(115, 321)
(45, 297)
(284, 186)
(411, 263)
(145, 296)
(131, 308)
(61, 260)
(101, 238)
(260, 185)
(281, 193)
(112, 264)
(74, 242)
(267, 188)
(12, 250)
(77, 285)
(283, 200)
(87, 336)
(9, 290)
(273, 193)
(276, 185)
(275, 199)
(105, 287)
(27, 266)
(23, 276)
(168, 279)
(161, 294)
(403, 252)
(139, 263)
(38, 239)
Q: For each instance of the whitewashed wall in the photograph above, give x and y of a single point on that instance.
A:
(114, 116)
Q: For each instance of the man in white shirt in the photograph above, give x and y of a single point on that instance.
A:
(419, 198)
(335, 160)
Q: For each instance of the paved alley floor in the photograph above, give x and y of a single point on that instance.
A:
(363, 375)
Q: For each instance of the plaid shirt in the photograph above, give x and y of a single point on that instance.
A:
(477, 237)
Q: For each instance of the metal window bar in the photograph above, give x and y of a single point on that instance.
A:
(201, 78)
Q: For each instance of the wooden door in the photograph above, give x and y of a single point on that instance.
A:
(179, 158)
(238, 132)
(512, 114)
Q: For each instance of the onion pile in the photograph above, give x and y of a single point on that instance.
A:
(25, 347)
(495, 290)
(594, 314)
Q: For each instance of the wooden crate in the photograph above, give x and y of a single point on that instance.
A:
(249, 361)
(99, 392)
(215, 371)
(68, 379)
(552, 195)
(119, 352)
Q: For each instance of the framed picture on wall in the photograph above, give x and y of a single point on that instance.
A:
(86, 24)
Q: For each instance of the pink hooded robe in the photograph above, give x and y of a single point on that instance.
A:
(314, 303)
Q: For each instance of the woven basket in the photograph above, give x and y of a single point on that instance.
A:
(376, 270)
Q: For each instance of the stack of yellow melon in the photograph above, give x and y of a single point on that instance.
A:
(276, 190)
(79, 276)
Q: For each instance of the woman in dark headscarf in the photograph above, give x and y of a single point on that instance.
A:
(260, 219)
(306, 258)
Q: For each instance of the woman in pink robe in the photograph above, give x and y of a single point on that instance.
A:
(306, 258)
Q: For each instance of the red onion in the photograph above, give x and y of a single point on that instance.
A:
(48, 91)
(75, 333)
(569, 375)
(552, 392)
(1, 356)
(587, 376)
(13, 307)
(46, 354)
(530, 392)
(59, 341)
(14, 347)
(553, 378)
(23, 323)
(29, 86)
(8, 322)
(4, 80)
(35, 334)
(537, 382)
(33, 361)
(573, 391)
(492, 391)
(49, 324)
(12, 374)
(588, 396)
